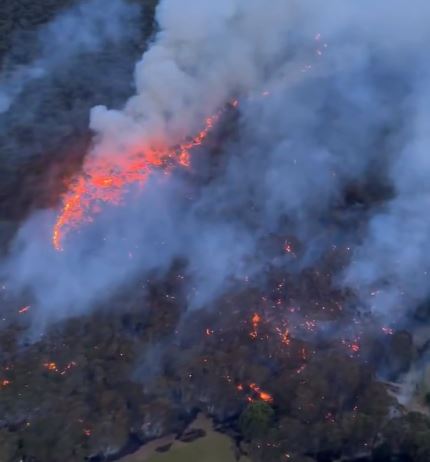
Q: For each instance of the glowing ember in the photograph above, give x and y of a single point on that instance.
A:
(105, 179)
(284, 335)
(255, 390)
(310, 325)
(288, 248)
(256, 319)
(264, 396)
(51, 367)
(68, 367)
(24, 309)
(301, 369)
(355, 347)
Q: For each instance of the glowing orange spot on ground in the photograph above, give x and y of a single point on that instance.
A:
(284, 335)
(51, 367)
(256, 319)
(355, 347)
(288, 247)
(24, 309)
(264, 396)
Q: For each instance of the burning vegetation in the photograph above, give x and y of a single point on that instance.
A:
(260, 298)
(104, 180)
(119, 379)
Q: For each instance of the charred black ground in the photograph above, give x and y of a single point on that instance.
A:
(98, 386)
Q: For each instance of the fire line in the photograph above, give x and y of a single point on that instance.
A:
(104, 180)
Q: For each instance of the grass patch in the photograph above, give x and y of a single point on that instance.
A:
(214, 447)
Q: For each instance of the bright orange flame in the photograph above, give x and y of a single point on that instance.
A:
(104, 180)
(51, 366)
(264, 396)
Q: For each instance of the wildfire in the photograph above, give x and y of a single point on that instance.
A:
(284, 335)
(256, 391)
(4, 383)
(104, 180)
(264, 396)
(68, 367)
(256, 319)
(288, 248)
(24, 309)
(353, 346)
(52, 367)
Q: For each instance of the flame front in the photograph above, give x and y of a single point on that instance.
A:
(104, 180)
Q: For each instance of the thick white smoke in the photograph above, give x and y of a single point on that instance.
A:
(204, 55)
(347, 87)
(391, 268)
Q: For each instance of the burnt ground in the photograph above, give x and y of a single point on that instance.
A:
(289, 369)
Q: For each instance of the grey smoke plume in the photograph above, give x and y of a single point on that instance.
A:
(87, 27)
(392, 266)
(331, 94)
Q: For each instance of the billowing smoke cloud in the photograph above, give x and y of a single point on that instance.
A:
(391, 267)
(86, 28)
(331, 95)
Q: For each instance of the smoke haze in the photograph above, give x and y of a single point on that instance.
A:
(330, 95)
(87, 27)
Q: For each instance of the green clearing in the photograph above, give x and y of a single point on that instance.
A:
(214, 447)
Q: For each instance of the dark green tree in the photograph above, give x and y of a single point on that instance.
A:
(256, 420)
